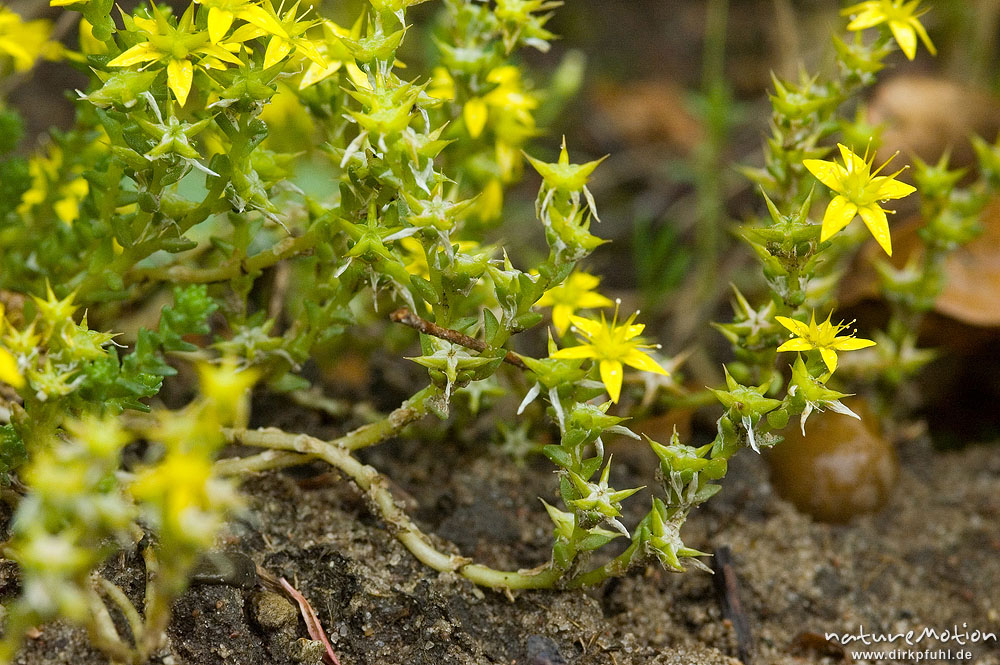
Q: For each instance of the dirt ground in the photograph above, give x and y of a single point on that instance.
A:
(930, 559)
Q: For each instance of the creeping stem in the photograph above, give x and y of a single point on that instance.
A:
(408, 318)
(409, 412)
(283, 249)
(301, 447)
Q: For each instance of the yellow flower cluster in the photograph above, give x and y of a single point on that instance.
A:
(51, 182)
(181, 494)
(505, 113)
(24, 42)
(182, 48)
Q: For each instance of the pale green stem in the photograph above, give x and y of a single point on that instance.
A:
(335, 408)
(286, 248)
(374, 484)
(122, 602)
(265, 461)
(544, 577)
(366, 478)
(614, 568)
(157, 605)
(102, 633)
(367, 435)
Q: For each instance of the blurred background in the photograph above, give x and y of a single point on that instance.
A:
(676, 92)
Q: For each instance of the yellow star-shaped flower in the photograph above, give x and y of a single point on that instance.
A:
(822, 337)
(179, 48)
(611, 345)
(576, 293)
(902, 17)
(859, 192)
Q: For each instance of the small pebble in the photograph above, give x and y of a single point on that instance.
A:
(308, 652)
(541, 650)
(273, 611)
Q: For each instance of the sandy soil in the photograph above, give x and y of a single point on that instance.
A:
(930, 559)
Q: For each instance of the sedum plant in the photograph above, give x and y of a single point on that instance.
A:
(175, 193)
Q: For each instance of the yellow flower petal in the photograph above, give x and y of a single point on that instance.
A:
(795, 344)
(245, 33)
(877, 223)
(851, 343)
(8, 369)
(147, 25)
(314, 74)
(358, 76)
(23, 60)
(88, 43)
(144, 52)
(68, 210)
(219, 52)
(797, 327)
(828, 173)
(634, 330)
(830, 358)
(277, 49)
(853, 162)
(219, 22)
(560, 318)
(839, 214)
(586, 326)
(180, 74)
(574, 352)
(887, 188)
(869, 18)
(591, 300)
(906, 37)
(639, 360)
(308, 50)
(257, 16)
(475, 113)
(924, 37)
(611, 377)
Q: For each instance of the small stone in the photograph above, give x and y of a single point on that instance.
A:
(273, 611)
(541, 650)
(309, 652)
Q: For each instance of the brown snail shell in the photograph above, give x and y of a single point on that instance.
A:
(842, 468)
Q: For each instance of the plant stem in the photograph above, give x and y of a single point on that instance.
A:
(409, 412)
(286, 248)
(408, 318)
(102, 632)
(365, 477)
(614, 568)
(708, 158)
(544, 577)
(157, 611)
(122, 602)
(374, 484)
(265, 461)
